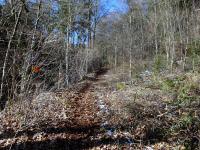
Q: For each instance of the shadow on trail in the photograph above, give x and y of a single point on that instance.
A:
(65, 144)
(65, 128)
(101, 72)
(83, 138)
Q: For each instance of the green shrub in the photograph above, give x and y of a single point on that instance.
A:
(194, 48)
(120, 86)
(172, 84)
(185, 89)
(159, 63)
(167, 84)
(184, 122)
(183, 94)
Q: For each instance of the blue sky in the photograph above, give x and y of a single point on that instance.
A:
(110, 5)
(114, 5)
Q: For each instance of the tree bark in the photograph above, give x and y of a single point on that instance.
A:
(8, 50)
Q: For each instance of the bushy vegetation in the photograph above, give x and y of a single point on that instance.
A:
(159, 63)
(186, 87)
(120, 86)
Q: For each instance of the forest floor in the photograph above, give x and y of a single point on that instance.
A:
(103, 112)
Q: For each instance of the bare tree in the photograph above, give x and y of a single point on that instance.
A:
(8, 49)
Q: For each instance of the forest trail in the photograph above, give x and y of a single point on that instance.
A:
(52, 95)
(102, 112)
(86, 127)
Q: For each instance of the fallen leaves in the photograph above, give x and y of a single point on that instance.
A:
(93, 116)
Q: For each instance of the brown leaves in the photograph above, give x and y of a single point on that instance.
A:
(96, 118)
(63, 115)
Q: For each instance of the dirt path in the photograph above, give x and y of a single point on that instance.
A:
(99, 113)
(86, 126)
(92, 121)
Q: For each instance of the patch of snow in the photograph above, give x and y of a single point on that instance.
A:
(146, 73)
(148, 148)
(109, 132)
(104, 124)
(102, 106)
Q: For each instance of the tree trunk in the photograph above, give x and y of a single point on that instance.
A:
(8, 50)
(28, 58)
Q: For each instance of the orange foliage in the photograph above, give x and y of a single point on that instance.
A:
(36, 69)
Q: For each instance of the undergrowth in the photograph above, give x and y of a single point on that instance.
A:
(185, 122)
(185, 87)
(120, 86)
